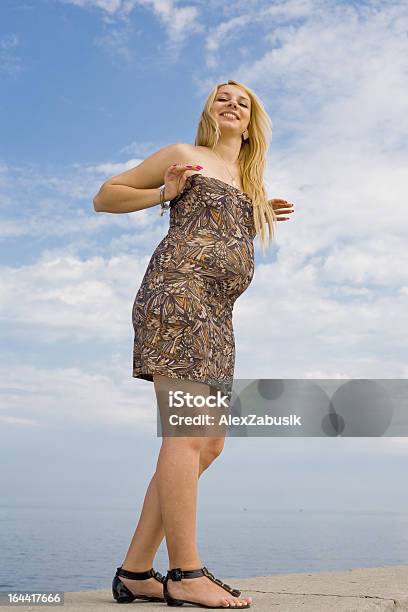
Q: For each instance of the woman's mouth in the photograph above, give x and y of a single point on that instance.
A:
(229, 116)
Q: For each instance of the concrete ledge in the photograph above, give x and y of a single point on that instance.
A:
(379, 588)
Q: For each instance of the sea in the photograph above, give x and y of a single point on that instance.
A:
(76, 548)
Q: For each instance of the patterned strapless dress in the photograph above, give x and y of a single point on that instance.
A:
(182, 313)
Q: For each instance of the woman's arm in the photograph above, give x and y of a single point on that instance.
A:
(114, 198)
(138, 188)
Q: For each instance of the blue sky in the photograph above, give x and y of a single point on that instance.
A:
(89, 88)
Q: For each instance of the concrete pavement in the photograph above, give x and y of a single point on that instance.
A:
(355, 590)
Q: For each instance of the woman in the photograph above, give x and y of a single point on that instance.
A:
(182, 318)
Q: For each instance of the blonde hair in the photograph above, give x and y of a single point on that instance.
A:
(251, 158)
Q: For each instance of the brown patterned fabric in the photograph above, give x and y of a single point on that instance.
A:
(182, 313)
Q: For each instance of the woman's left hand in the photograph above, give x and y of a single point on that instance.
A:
(281, 207)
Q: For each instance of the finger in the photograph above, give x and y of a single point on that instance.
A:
(283, 212)
(282, 205)
(275, 200)
(182, 167)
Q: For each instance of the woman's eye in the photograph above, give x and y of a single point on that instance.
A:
(224, 100)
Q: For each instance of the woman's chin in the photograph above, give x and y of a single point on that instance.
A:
(229, 128)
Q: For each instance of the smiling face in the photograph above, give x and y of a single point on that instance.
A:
(232, 108)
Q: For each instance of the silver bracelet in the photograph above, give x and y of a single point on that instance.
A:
(164, 204)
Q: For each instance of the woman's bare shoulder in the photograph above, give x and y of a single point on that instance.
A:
(187, 153)
(191, 148)
(194, 148)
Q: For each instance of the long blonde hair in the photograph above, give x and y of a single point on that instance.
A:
(251, 158)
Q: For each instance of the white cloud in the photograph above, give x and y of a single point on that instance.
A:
(105, 396)
(223, 35)
(62, 297)
(10, 63)
(179, 22)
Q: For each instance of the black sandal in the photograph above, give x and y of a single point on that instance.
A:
(179, 574)
(123, 595)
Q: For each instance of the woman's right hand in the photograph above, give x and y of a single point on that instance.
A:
(174, 179)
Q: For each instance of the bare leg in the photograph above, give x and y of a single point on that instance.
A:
(149, 532)
(177, 475)
(172, 492)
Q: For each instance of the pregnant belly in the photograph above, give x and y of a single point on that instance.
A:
(224, 267)
(218, 256)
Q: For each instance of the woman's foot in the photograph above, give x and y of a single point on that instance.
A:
(150, 586)
(204, 591)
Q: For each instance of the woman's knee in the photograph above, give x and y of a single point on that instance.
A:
(208, 447)
(212, 448)
(185, 443)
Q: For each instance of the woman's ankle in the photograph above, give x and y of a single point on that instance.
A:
(143, 566)
(185, 567)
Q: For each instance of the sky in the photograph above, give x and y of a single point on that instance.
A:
(88, 89)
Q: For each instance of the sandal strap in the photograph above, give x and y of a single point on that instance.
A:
(178, 574)
(151, 573)
(227, 587)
